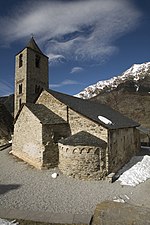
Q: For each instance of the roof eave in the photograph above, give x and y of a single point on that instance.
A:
(32, 50)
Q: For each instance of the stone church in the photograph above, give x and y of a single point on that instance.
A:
(86, 140)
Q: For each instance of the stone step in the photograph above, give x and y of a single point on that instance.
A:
(116, 213)
(47, 217)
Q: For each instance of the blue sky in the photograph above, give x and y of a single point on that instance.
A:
(85, 40)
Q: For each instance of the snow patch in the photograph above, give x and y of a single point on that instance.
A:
(6, 222)
(136, 72)
(119, 200)
(127, 197)
(105, 120)
(136, 171)
(137, 87)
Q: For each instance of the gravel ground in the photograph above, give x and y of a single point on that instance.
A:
(26, 188)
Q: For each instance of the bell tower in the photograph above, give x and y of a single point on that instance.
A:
(31, 74)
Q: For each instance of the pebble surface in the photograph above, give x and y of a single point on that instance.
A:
(26, 188)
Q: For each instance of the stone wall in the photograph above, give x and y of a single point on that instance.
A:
(83, 156)
(51, 134)
(76, 121)
(83, 162)
(27, 139)
(36, 143)
(20, 78)
(53, 104)
(123, 144)
(36, 76)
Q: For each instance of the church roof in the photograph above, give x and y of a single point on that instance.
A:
(83, 138)
(45, 115)
(99, 113)
(32, 44)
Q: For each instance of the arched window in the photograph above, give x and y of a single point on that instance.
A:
(20, 102)
(37, 61)
(20, 88)
(20, 60)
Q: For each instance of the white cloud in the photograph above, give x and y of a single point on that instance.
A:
(76, 69)
(54, 59)
(63, 83)
(5, 88)
(92, 25)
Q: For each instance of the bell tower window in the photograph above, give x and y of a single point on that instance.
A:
(37, 61)
(20, 102)
(20, 60)
(20, 88)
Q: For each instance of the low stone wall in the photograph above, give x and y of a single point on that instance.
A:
(82, 162)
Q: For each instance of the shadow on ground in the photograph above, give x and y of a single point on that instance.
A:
(4, 188)
(145, 150)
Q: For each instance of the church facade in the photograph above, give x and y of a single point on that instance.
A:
(86, 140)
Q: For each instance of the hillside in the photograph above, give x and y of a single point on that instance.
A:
(128, 93)
(8, 101)
(134, 105)
(6, 125)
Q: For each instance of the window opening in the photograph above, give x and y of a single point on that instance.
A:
(20, 102)
(20, 88)
(20, 60)
(37, 61)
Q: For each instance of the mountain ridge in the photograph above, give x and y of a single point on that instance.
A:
(128, 93)
(135, 75)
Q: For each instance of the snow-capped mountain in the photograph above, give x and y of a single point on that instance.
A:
(135, 76)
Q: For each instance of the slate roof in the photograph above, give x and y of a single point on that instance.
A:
(32, 44)
(92, 110)
(83, 138)
(45, 115)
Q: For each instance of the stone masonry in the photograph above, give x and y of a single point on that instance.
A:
(36, 141)
(76, 121)
(83, 156)
(27, 144)
(123, 144)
